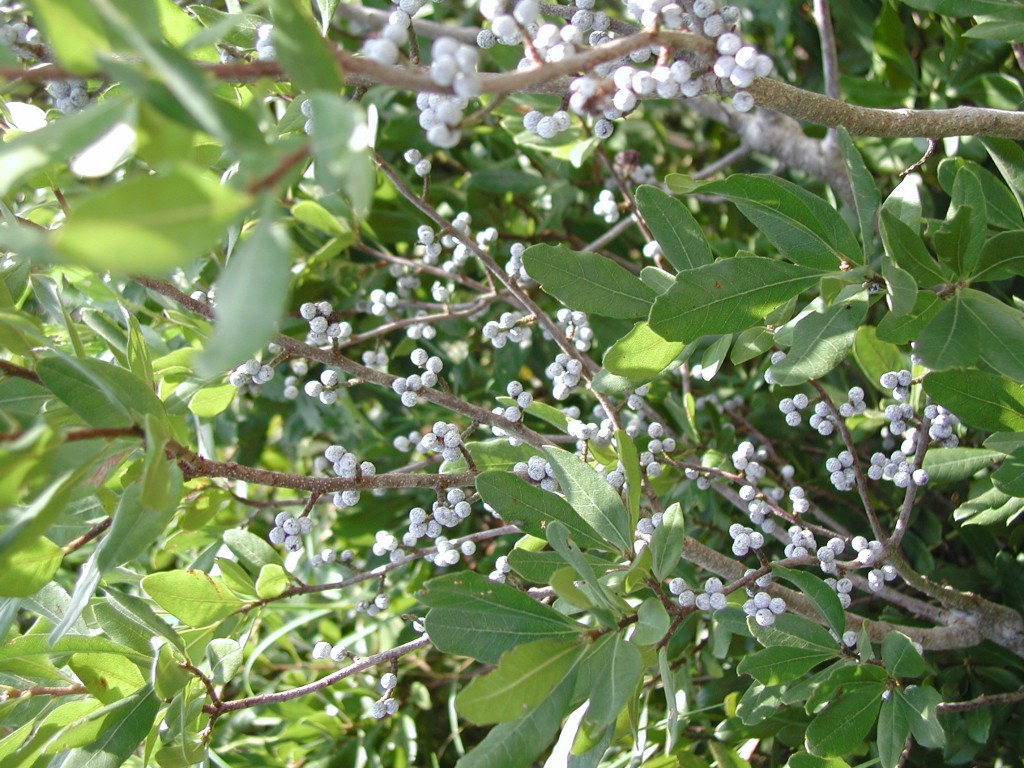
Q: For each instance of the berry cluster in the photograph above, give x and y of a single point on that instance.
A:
(508, 327)
(346, 465)
(265, 43)
(289, 530)
(251, 372)
(537, 470)
(322, 330)
(326, 389)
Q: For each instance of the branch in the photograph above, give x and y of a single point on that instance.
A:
(991, 700)
(352, 669)
(194, 465)
(886, 123)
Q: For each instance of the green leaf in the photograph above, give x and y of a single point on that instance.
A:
(597, 593)
(865, 193)
(990, 507)
(641, 355)
(188, 84)
(1001, 258)
(902, 330)
(327, 9)
(252, 551)
(591, 496)
(1009, 478)
(224, 656)
(750, 344)
(533, 508)
(25, 570)
(950, 465)
(959, 240)
(901, 288)
(981, 400)
(674, 227)
(119, 228)
(893, 731)
(614, 667)
(102, 394)
(1000, 332)
(303, 54)
(108, 676)
(727, 296)
(588, 282)
(192, 596)
(821, 340)
(524, 678)
(653, 622)
(805, 760)
(74, 31)
(906, 248)
(29, 152)
(1009, 159)
(136, 526)
(630, 460)
(824, 600)
(473, 616)
(518, 743)
(341, 153)
(843, 725)
(805, 228)
(210, 401)
(781, 664)
(950, 339)
(795, 632)
(900, 657)
(260, 267)
(272, 581)
(124, 725)
(667, 542)
(923, 702)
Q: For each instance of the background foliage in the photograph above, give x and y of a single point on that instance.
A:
(186, 579)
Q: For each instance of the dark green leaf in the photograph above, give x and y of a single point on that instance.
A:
(805, 228)
(1009, 478)
(923, 702)
(950, 339)
(517, 744)
(795, 632)
(781, 664)
(614, 669)
(674, 227)
(519, 502)
(524, 677)
(844, 724)
(901, 293)
(981, 400)
(473, 616)
(588, 282)
(1000, 332)
(949, 465)
(959, 240)
(667, 542)
(727, 296)
(905, 247)
(893, 731)
(1001, 258)
(591, 496)
(900, 657)
(821, 340)
(865, 193)
(823, 598)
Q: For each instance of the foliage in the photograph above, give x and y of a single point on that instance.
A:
(346, 425)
